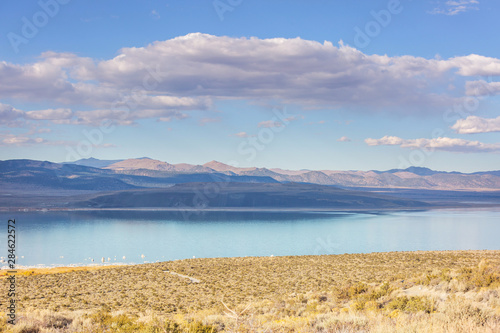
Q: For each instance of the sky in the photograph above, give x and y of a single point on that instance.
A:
(337, 85)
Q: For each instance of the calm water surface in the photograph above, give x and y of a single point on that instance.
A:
(65, 238)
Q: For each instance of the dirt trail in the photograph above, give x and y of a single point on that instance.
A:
(193, 280)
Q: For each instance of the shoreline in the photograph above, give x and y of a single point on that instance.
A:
(254, 209)
(65, 268)
(37, 270)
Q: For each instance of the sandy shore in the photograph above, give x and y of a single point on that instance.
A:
(56, 270)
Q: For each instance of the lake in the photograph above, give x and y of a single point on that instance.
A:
(75, 238)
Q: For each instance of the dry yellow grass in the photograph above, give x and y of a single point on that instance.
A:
(453, 291)
(54, 270)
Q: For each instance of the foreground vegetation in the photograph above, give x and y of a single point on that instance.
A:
(456, 291)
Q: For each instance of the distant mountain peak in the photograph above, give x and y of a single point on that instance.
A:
(416, 168)
(218, 166)
(141, 163)
(421, 171)
(222, 167)
(215, 162)
(94, 162)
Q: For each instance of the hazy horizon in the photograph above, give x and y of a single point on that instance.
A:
(251, 166)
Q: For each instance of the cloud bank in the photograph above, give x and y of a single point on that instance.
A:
(452, 7)
(168, 79)
(474, 124)
(442, 143)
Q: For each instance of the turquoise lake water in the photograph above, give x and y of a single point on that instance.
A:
(75, 238)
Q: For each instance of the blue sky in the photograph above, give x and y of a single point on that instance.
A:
(291, 84)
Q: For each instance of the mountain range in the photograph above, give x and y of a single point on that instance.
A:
(34, 175)
(412, 177)
(149, 183)
(248, 195)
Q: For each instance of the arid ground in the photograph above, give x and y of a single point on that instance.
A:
(451, 291)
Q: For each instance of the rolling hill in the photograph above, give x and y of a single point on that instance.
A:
(248, 195)
(25, 175)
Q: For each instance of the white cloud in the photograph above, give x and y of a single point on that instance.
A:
(97, 117)
(482, 88)
(57, 78)
(442, 143)
(9, 115)
(344, 139)
(294, 70)
(13, 117)
(124, 117)
(175, 115)
(27, 139)
(190, 72)
(456, 7)
(242, 135)
(276, 123)
(50, 114)
(21, 140)
(155, 14)
(270, 124)
(474, 124)
(475, 65)
(385, 141)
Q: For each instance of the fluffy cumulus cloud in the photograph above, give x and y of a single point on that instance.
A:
(20, 140)
(442, 143)
(168, 79)
(454, 7)
(344, 139)
(475, 65)
(293, 70)
(57, 78)
(482, 88)
(474, 124)
(9, 115)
